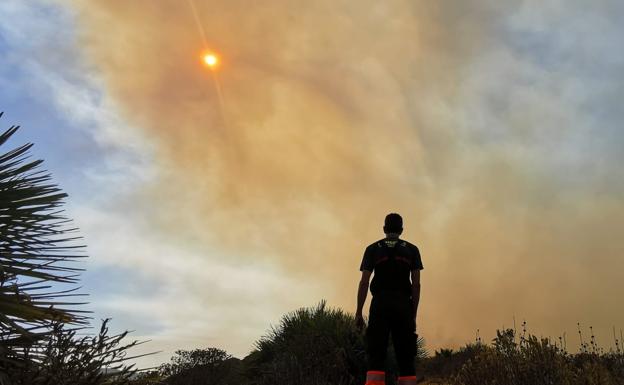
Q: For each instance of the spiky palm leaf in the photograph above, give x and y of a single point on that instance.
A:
(37, 248)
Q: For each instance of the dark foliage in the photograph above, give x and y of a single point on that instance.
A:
(183, 360)
(321, 346)
(226, 372)
(38, 323)
(67, 359)
(310, 346)
(528, 360)
(37, 247)
(446, 362)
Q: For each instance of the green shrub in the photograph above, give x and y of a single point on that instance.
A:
(310, 346)
(315, 346)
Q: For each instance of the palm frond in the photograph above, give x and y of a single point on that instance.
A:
(38, 252)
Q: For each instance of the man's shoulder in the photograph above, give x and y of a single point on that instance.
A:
(407, 244)
(376, 244)
(402, 242)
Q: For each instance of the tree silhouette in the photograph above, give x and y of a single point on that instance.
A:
(38, 251)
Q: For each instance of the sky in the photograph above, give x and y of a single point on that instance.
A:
(213, 203)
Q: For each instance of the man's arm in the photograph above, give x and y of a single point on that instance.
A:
(415, 292)
(361, 298)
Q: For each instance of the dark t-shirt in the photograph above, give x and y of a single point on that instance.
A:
(392, 261)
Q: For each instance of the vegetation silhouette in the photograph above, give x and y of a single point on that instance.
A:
(39, 314)
(312, 345)
(304, 349)
(37, 249)
(209, 366)
(519, 359)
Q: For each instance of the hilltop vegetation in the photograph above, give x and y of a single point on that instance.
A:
(321, 346)
(315, 345)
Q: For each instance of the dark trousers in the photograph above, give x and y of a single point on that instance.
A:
(391, 314)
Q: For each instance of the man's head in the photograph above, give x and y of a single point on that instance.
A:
(393, 225)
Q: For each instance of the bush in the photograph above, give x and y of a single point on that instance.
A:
(447, 362)
(226, 372)
(202, 367)
(310, 346)
(66, 359)
(184, 360)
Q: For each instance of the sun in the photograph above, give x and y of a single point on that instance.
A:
(211, 60)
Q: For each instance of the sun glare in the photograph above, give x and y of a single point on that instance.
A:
(211, 60)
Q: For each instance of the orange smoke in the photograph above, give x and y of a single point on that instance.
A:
(338, 113)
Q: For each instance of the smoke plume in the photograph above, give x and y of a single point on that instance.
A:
(334, 113)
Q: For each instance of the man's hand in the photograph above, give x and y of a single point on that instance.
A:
(359, 322)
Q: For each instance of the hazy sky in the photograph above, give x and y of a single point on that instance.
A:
(493, 127)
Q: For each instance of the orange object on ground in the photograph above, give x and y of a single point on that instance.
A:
(375, 377)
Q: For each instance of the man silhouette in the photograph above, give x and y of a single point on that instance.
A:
(394, 303)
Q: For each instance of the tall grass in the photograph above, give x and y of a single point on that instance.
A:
(528, 360)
